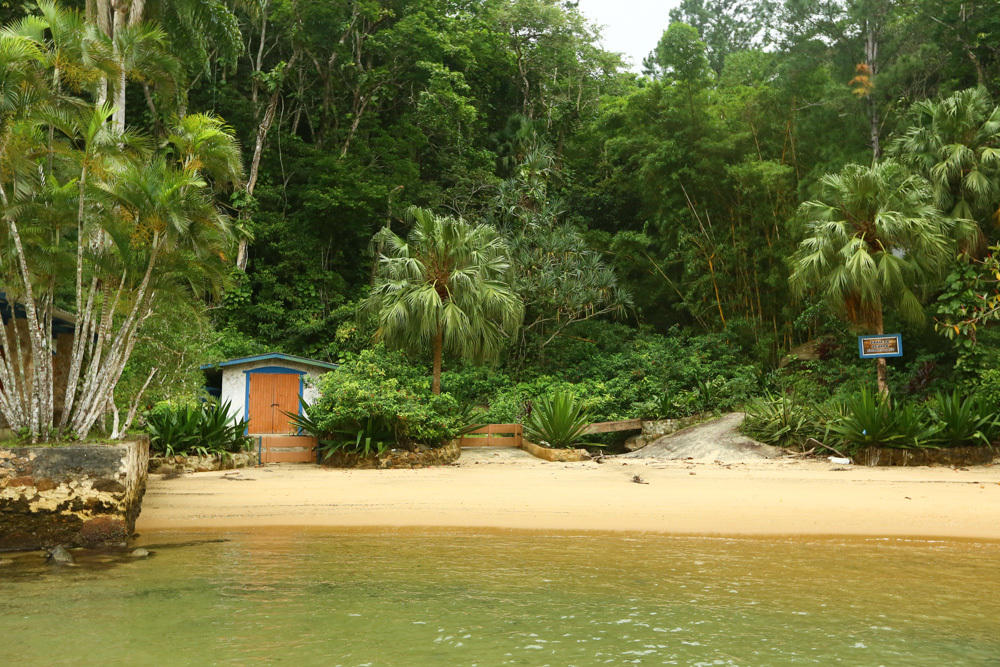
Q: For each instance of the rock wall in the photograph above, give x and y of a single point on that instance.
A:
(168, 464)
(654, 430)
(79, 495)
(396, 458)
(950, 456)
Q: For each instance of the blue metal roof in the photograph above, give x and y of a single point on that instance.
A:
(274, 356)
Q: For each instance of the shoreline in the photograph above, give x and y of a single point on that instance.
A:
(497, 491)
(158, 536)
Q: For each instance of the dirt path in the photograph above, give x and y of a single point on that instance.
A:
(492, 489)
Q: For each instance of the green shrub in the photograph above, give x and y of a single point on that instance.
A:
(201, 429)
(376, 401)
(622, 373)
(869, 419)
(374, 436)
(988, 387)
(475, 384)
(658, 407)
(558, 420)
(818, 381)
(511, 404)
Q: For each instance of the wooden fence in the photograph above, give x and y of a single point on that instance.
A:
(512, 435)
(493, 435)
(286, 448)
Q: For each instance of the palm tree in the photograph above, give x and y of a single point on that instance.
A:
(88, 209)
(140, 53)
(188, 30)
(77, 53)
(23, 91)
(204, 144)
(875, 238)
(955, 143)
(164, 232)
(199, 28)
(444, 287)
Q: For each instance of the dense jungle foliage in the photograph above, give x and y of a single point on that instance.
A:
(780, 177)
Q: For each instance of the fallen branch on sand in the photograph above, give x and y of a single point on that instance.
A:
(815, 443)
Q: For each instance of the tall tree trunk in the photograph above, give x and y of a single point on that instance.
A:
(100, 382)
(134, 407)
(118, 122)
(255, 83)
(881, 368)
(715, 284)
(438, 344)
(871, 58)
(883, 376)
(39, 404)
(258, 149)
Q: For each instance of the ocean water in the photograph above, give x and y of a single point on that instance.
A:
(453, 597)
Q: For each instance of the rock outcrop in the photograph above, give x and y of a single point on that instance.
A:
(654, 430)
(716, 440)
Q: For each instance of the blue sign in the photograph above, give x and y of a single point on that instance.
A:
(873, 347)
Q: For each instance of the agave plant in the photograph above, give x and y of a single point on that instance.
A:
(559, 420)
(303, 422)
(868, 418)
(375, 436)
(780, 420)
(206, 429)
(962, 421)
(172, 431)
(664, 406)
(914, 428)
(466, 417)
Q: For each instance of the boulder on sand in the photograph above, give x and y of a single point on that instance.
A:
(716, 440)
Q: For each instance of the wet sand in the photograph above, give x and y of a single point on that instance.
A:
(511, 490)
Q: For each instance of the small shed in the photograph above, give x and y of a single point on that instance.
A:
(262, 389)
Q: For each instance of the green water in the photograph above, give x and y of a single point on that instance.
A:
(507, 598)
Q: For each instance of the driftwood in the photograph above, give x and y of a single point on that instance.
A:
(816, 443)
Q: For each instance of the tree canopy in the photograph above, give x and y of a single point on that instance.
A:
(774, 165)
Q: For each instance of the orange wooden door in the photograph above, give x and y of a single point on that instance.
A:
(271, 395)
(286, 399)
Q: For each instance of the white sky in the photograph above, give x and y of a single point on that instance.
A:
(632, 27)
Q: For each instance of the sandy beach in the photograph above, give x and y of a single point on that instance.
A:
(510, 490)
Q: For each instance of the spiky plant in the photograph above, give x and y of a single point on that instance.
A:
(559, 420)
